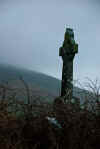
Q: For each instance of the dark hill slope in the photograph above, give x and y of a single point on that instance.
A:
(42, 84)
(38, 80)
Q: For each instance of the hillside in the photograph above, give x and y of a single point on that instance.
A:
(41, 84)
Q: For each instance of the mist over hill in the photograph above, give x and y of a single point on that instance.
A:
(42, 84)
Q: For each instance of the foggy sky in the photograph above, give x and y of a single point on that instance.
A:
(31, 32)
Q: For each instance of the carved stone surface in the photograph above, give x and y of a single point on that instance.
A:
(67, 52)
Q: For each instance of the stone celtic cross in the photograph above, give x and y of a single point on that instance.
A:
(67, 52)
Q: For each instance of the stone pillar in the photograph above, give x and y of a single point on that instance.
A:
(67, 52)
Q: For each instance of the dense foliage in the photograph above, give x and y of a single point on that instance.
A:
(65, 124)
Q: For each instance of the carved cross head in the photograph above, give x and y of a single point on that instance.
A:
(69, 47)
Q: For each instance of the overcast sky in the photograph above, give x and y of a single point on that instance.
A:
(31, 32)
